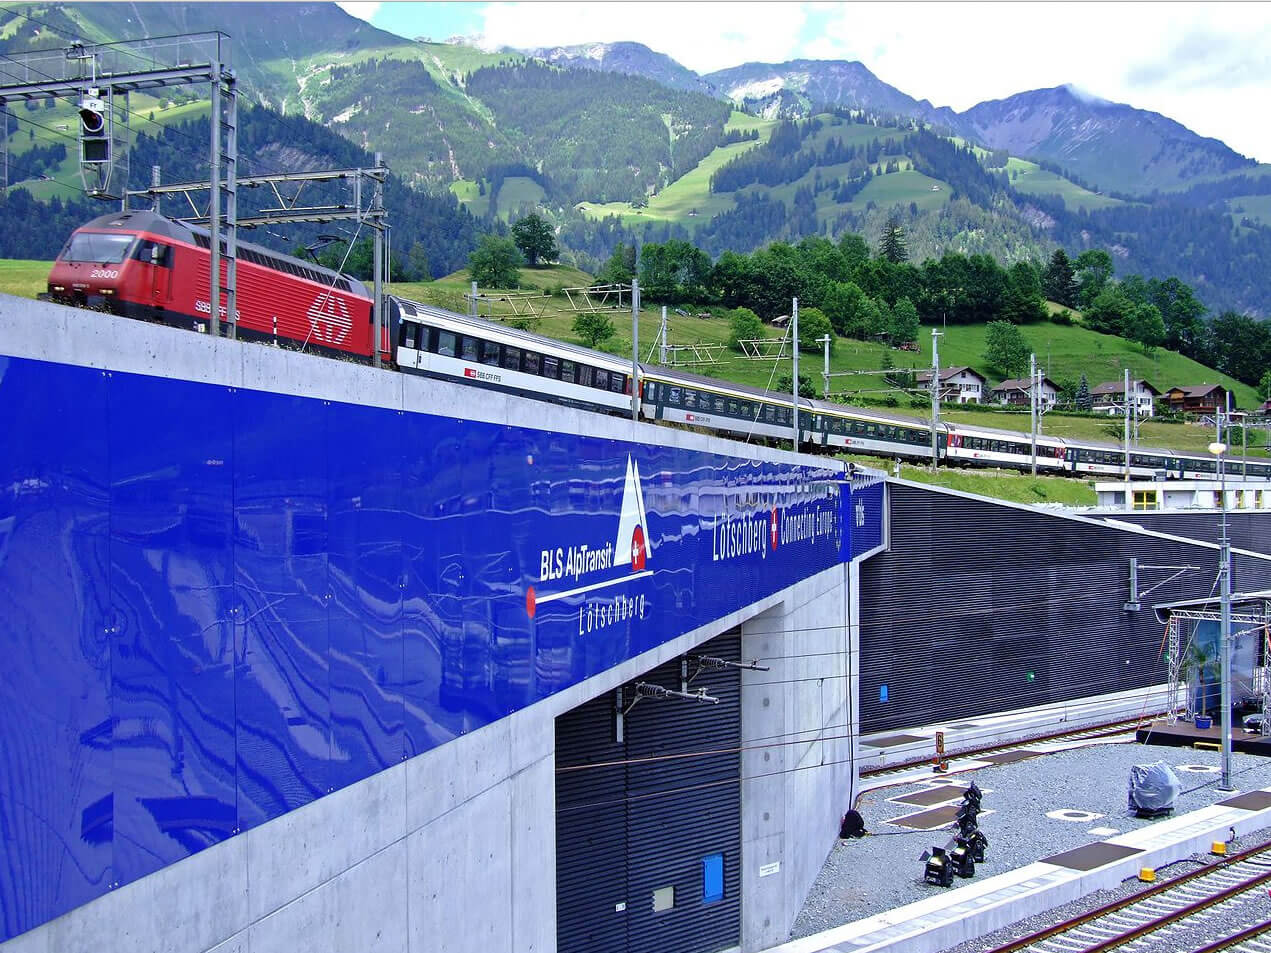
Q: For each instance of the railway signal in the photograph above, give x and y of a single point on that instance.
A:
(94, 128)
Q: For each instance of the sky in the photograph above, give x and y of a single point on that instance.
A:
(1206, 65)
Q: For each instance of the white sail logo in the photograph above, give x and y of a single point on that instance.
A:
(632, 546)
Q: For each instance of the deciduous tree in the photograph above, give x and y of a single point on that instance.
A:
(536, 240)
(594, 328)
(1005, 348)
(494, 262)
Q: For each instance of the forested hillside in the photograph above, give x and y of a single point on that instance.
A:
(441, 228)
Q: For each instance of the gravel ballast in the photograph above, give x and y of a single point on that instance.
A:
(882, 871)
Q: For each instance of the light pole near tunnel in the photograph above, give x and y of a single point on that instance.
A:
(1224, 636)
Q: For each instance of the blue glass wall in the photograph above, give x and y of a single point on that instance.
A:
(217, 605)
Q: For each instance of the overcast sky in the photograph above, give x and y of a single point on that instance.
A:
(1207, 65)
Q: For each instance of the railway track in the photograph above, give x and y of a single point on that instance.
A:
(1109, 730)
(1176, 915)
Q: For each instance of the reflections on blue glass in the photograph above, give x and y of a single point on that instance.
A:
(56, 784)
(223, 604)
(172, 687)
(365, 567)
(282, 671)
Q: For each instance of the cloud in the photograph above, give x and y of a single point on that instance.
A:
(702, 36)
(362, 9)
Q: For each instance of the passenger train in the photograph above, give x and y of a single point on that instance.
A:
(140, 264)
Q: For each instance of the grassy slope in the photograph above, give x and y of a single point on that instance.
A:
(690, 191)
(1256, 207)
(1031, 179)
(1070, 351)
(1005, 485)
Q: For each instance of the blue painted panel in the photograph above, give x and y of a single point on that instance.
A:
(172, 652)
(868, 504)
(227, 604)
(56, 771)
(365, 570)
(282, 675)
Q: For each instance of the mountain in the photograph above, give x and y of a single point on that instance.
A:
(803, 87)
(1115, 146)
(633, 59)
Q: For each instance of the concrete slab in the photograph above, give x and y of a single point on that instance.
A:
(947, 919)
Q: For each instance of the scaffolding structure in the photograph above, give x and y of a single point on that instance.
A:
(597, 298)
(1180, 631)
(763, 349)
(692, 355)
(520, 304)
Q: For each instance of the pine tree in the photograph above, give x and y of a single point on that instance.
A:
(1084, 400)
(892, 246)
(1059, 283)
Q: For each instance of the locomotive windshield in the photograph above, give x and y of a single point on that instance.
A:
(97, 247)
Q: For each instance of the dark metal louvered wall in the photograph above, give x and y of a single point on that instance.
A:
(633, 818)
(980, 608)
(1251, 531)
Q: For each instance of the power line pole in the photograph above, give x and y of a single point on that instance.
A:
(1219, 449)
(794, 330)
(825, 374)
(662, 336)
(935, 395)
(635, 349)
(1032, 406)
(1129, 503)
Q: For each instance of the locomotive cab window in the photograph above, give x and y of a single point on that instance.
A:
(408, 333)
(153, 253)
(96, 247)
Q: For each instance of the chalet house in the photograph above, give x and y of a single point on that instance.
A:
(1108, 398)
(1015, 391)
(958, 385)
(1198, 399)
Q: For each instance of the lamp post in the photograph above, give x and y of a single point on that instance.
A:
(1224, 637)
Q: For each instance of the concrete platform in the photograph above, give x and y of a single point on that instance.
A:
(980, 907)
(1184, 734)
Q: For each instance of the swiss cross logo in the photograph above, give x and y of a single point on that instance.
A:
(688, 416)
(469, 372)
(773, 531)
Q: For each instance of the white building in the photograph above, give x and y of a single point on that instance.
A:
(958, 385)
(1185, 494)
(1015, 391)
(1109, 397)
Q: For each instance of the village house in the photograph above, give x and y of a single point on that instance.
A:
(1108, 398)
(1015, 391)
(1197, 399)
(958, 385)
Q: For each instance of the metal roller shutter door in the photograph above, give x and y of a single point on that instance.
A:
(647, 823)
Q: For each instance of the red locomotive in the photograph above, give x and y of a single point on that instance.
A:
(143, 265)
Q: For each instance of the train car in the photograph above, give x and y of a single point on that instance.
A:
(438, 343)
(984, 446)
(869, 432)
(142, 265)
(710, 404)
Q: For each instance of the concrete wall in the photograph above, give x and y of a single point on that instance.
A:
(454, 850)
(798, 720)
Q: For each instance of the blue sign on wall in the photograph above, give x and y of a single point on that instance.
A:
(868, 503)
(222, 604)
